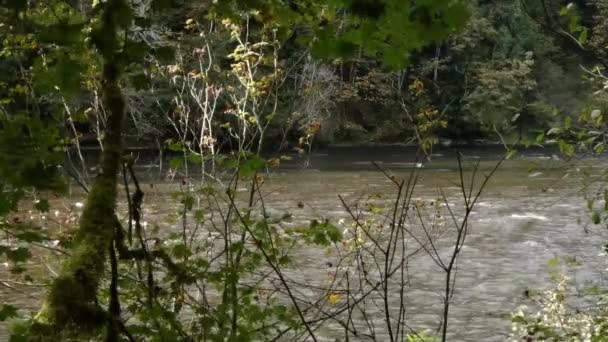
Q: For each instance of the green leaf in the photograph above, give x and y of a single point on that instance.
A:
(20, 254)
(140, 81)
(176, 163)
(599, 147)
(165, 54)
(395, 59)
(553, 263)
(159, 5)
(181, 251)
(195, 158)
(582, 38)
(199, 215)
(42, 205)
(7, 311)
(251, 166)
(284, 260)
(31, 236)
(61, 34)
(123, 13)
(322, 234)
(188, 202)
(540, 138)
(344, 48)
(519, 319)
(19, 332)
(566, 148)
(595, 218)
(456, 15)
(16, 5)
(64, 75)
(175, 145)
(590, 203)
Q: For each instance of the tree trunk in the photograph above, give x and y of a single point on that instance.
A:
(72, 298)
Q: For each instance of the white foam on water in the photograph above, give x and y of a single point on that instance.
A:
(531, 243)
(529, 216)
(416, 165)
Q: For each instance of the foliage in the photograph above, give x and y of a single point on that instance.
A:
(357, 99)
(558, 319)
(500, 93)
(421, 337)
(216, 266)
(215, 83)
(566, 313)
(75, 61)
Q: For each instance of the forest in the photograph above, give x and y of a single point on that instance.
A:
(303, 170)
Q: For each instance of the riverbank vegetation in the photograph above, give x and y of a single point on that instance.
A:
(220, 84)
(194, 73)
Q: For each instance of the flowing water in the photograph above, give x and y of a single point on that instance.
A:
(531, 211)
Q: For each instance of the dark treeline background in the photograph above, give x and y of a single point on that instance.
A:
(505, 75)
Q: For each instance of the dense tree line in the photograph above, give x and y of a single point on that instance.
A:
(504, 71)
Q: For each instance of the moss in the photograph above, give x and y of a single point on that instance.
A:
(67, 305)
(72, 299)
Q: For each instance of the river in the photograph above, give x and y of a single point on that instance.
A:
(531, 211)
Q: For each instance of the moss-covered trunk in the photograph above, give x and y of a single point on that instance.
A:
(72, 298)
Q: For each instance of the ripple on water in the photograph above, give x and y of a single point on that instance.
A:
(533, 216)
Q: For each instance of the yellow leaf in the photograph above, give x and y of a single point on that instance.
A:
(334, 298)
(274, 162)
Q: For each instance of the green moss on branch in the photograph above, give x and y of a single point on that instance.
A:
(72, 298)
